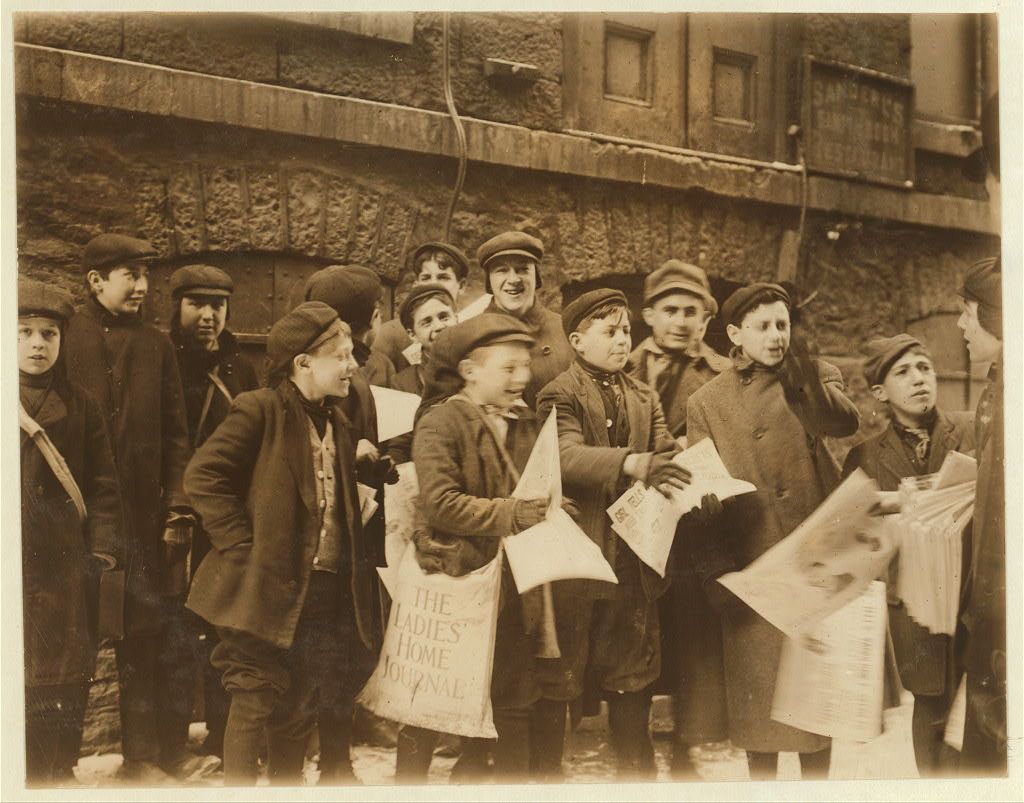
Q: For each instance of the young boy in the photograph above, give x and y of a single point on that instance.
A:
(431, 263)
(768, 416)
(70, 533)
(611, 432)
(213, 371)
(675, 361)
(919, 436)
(287, 584)
(129, 368)
(469, 451)
(985, 731)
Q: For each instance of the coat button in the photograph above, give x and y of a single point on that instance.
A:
(780, 493)
(323, 503)
(323, 533)
(546, 350)
(316, 561)
(608, 423)
(758, 434)
(320, 475)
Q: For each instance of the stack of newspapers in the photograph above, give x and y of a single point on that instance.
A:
(935, 510)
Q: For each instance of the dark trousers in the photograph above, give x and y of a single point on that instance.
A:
(813, 766)
(279, 695)
(216, 701)
(54, 716)
(984, 753)
(934, 757)
(156, 683)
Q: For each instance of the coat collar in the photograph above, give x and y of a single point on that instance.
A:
(715, 361)
(95, 311)
(534, 318)
(637, 414)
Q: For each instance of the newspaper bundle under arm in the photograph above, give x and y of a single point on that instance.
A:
(555, 549)
(396, 411)
(826, 562)
(399, 518)
(646, 520)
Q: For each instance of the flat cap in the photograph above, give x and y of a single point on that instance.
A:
(420, 294)
(746, 298)
(201, 280)
(882, 353)
(458, 257)
(105, 250)
(983, 283)
(39, 298)
(297, 331)
(352, 290)
(576, 311)
(486, 329)
(511, 242)
(682, 277)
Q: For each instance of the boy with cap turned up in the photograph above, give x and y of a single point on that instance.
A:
(901, 375)
(469, 450)
(129, 367)
(287, 583)
(611, 431)
(675, 361)
(70, 534)
(768, 416)
(431, 263)
(213, 371)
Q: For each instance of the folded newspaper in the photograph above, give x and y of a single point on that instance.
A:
(646, 520)
(396, 411)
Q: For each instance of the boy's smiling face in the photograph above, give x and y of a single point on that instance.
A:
(431, 318)
(513, 283)
(329, 369)
(764, 333)
(123, 289)
(497, 374)
(604, 342)
(430, 271)
(38, 344)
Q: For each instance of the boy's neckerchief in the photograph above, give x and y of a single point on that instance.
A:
(917, 438)
(744, 363)
(318, 412)
(33, 390)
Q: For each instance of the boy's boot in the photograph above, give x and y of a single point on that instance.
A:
(512, 751)
(414, 754)
(628, 720)
(547, 740)
(244, 736)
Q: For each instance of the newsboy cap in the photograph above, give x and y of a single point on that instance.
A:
(746, 298)
(677, 276)
(486, 329)
(39, 298)
(203, 280)
(983, 283)
(577, 310)
(297, 331)
(419, 295)
(352, 290)
(458, 257)
(511, 242)
(108, 250)
(882, 353)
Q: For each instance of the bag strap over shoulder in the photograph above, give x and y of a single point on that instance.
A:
(53, 458)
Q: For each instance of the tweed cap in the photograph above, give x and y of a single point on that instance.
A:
(458, 257)
(883, 352)
(420, 294)
(108, 250)
(352, 290)
(746, 298)
(577, 310)
(983, 283)
(677, 276)
(39, 298)
(517, 243)
(297, 331)
(203, 280)
(486, 329)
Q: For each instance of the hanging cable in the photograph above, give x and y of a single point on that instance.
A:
(460, 131)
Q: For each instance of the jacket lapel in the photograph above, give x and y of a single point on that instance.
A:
(942, 442)
(638, 413)
(592, 405)
(300, 455)
(892, 456)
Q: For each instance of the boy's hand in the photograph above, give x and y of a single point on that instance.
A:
(797, 370)
(528, 512)
(665, 476)
(710, 507)
(572, 509)
(366, 451)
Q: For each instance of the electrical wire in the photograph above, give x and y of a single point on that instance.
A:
(460, 131)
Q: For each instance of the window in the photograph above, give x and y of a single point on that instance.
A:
(732, 87)
(944, 65)
(627, 64)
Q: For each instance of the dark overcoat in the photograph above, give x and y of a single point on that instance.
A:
(776, 444)
(925, 660)
(58, 574)
(130, 369)
(252, 483)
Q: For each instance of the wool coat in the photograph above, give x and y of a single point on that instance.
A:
(464, 496)
(59, 576)
(391, 341)
(130, 369)
(252, 482)
(925, 660)
(551, 353)
(773, 439)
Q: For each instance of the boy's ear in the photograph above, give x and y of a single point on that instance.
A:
(466, 368)
(878, 391)
(647, 313)
(300, 361)
(734, 333)
(462, 285)
(574, 340)
(95, 279)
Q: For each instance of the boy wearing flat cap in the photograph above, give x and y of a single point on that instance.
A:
(70, 534)
(985, 734)
(675, 361)
(288, 583)
(611, 431)
(511, 265)
(129, 367)
(213, 371)
(768, 416)
(431, 263)
(469, 450)
(901, 375)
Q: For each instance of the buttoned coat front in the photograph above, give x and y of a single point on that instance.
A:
(252, 482)
(776, 444)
